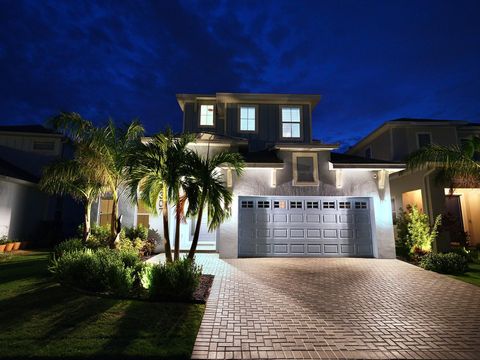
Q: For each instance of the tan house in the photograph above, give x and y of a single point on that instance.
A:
(395, 140)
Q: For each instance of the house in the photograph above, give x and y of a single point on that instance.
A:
(394, 141)
(26, 213)
(296, 197)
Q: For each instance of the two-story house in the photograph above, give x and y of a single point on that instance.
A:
(26, 213)
(296, 197)
(395, 140)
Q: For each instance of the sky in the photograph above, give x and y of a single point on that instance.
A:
(371, 61)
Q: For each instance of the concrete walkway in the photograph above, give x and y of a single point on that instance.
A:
(336, 309)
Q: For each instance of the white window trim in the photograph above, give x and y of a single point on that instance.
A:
(295, 181)
(300, 123)
(423, 133)
(240, 119)
(200, 116)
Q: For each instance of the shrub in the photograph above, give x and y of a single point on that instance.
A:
(414, 233)
(449, 263)
(68, 245)
(171, 281)
(101, 270)
(133, 232)
(99, 236)
(3, 239)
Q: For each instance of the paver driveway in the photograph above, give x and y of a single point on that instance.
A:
(336, 308)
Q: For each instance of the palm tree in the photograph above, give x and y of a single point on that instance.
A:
(205, 188)
(456, 164)
(157, 172)
(108, 151)
(64, 178)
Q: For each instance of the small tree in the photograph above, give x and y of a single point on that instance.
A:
(414, 231)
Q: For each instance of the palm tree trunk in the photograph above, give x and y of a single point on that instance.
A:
(166, 235)
(177, 231)
(113, 222)
(196, 234)
(86, 225)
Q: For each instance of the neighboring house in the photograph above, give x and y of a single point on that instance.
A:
(296, 197)
(395, 140)
(26, 213)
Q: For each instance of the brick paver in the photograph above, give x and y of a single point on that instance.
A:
(340, 308)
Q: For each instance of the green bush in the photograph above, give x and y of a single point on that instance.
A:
(133, 232)
(99, 236)
(67, 246)
(171, 281)
(3, 239)
(449, 263)
(414, 233)
(100, 270)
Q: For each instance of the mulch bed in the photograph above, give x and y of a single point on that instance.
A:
(200, 296)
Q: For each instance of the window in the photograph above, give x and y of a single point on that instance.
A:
(344, 205)
(263, 204)
(368, 153)
(248, 118)
(360, 204)
(423, 140)
(106, 210)
(305, 169)
(43, 145)
(296, 205)
(207, 113)
(312, 204)
(247, 204)
(290, 121)
(328, 204)
(279, 204)
(143, 215)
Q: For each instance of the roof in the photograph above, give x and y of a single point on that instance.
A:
(34, 128)
(351, 161)
(22, 161)
(261, 157)
(409, 122)
(12, 171)
(311, 99)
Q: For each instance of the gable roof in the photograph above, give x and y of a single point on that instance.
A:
(400, 122)
(34, 128)
(345, 161)
(12, 171)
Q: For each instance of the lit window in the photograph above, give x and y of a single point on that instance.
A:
(143, 215)
(291, 122)
(206, 115)
(312, 204)
(247, 118)
(106, 210)
(279, 204)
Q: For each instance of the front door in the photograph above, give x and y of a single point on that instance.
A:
(452, 219)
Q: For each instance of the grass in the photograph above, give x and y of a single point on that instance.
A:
(472, 276)
(40, 318)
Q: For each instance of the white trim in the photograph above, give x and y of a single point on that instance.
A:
(274, 178)
(295, 156)
(338, 178)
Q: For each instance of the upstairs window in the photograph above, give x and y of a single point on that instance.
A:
(248, 118)
(143, 215)
(423, 140)
(207, 114)
(305, 169)
(291, 122)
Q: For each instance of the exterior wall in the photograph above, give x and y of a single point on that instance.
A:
(268, 120)
(22, 208)
(355, 183)
(25, 142)
(380, 147)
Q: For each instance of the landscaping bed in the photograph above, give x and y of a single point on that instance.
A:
(41, 319)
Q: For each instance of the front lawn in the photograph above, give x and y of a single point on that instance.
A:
(472, 276)
(40, 318)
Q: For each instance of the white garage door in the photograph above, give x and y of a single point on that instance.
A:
(304, 226)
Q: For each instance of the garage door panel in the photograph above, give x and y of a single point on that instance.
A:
(304, 226)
